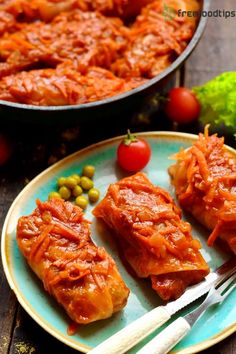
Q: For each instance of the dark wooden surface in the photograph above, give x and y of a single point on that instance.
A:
(36, 147)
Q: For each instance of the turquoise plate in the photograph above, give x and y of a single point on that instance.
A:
(210, 329)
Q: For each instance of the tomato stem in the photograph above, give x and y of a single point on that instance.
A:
(130, 138)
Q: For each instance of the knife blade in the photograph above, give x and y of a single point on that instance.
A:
(196, 291)
(135, 332)
(178, 329)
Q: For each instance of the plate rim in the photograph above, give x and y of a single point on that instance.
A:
(20, 297)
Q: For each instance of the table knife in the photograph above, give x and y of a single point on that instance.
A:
(135, 332)
(177, 330)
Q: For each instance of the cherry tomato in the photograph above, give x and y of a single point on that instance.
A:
(182, 105)
(133, 153)
(5, 150)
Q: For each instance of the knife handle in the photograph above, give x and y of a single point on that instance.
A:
(125, 339)
(168, 338)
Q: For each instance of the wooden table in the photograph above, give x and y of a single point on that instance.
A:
(37, 147)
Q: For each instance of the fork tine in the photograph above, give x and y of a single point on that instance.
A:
(226, 283)
(229, 291)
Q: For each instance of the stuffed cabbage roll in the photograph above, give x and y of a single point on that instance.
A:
(204, 178)
(152, 236)
(83, 278)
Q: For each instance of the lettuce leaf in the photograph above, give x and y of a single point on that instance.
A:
(218, 100)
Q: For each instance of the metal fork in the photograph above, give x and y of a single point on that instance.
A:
(178, 329)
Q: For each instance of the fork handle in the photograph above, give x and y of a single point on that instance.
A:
(168, 338)
(125, 339)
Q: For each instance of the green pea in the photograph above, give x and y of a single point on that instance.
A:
(53, 195)
(88, 171)
(77, 191)
(64, 192)
(81, 201)
(61, 181)
(86, 183)
(93, 195)
(76, 177)
(71, 182)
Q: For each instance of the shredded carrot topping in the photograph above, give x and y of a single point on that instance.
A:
(208, 172)
(131, 40)
(154, 239)
(55, 239)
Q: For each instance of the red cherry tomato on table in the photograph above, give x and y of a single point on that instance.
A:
(133, 153)
(5, 150)
(182, 105)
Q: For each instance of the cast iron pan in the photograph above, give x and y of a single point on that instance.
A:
(113, 107)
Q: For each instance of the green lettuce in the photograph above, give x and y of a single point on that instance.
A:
(218, 101)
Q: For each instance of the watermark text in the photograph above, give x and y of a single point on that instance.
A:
(216, 13)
